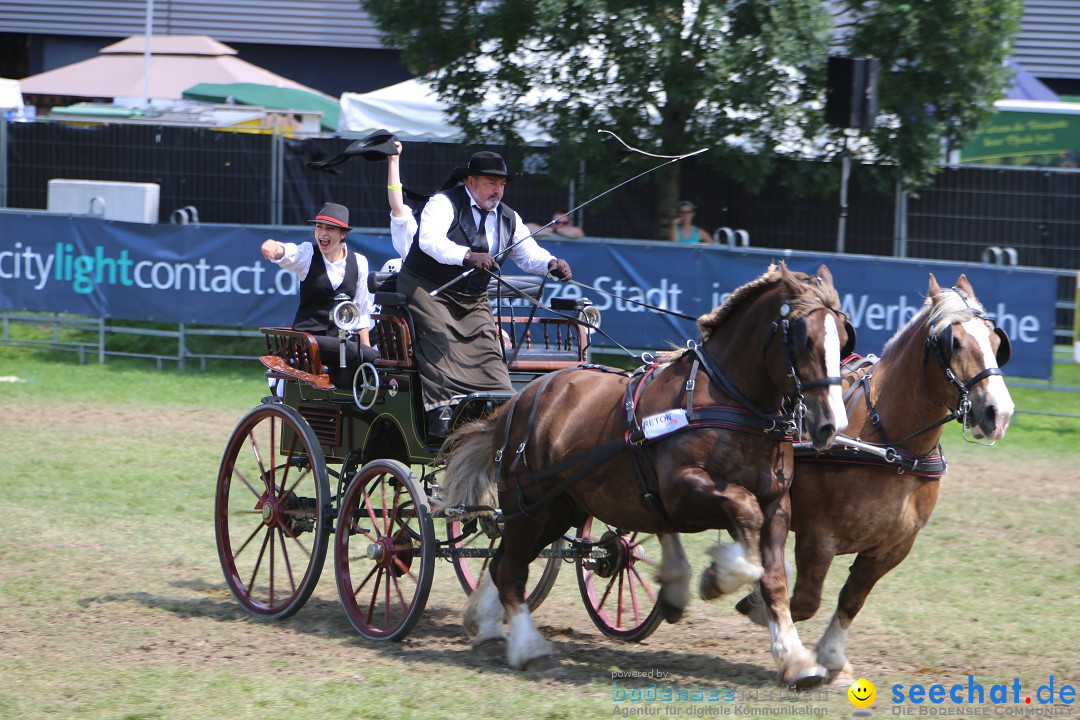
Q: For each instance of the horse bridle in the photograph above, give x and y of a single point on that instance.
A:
(793, 333)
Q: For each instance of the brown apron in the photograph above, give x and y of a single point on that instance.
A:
(457, 344)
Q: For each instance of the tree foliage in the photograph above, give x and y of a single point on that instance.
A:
(744, 77)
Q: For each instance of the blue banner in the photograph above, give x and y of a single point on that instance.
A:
(215, 275)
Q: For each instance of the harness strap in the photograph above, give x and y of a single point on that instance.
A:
(690, 384)
(931, 467)
(875, 418)
(641, 464)
(506, 435)
(716, 375)
(532, 417)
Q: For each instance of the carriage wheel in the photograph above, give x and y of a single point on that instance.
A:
(469, 570)
(384, 550)
(619, 591)
(271, 508)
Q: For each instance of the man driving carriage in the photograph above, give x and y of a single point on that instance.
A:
(465, 225)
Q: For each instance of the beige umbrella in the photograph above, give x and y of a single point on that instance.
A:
(177, 63)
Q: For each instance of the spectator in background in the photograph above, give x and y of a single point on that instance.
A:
(560, 225)
(683, 229)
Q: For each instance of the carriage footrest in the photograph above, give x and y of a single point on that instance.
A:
(279, 368)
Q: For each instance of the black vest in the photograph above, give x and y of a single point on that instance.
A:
(463, 232)
(317, 294)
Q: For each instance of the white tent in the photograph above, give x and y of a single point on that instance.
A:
(10, 95)
(412, 111)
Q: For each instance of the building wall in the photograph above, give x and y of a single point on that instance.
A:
(1048, 45)
(330, 45)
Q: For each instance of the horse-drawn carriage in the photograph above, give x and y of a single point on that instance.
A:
(623, 460)
(354, 465)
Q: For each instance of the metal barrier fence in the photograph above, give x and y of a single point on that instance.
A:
(1011, 215)
(88, 338)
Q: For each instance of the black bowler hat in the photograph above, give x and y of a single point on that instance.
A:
(376, 146)
(333, 214)
(481, 163)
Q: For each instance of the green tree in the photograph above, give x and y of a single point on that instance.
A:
(943, 66)
(744, 77)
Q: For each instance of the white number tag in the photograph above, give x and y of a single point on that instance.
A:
(663, 423)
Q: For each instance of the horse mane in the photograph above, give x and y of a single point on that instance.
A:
(954, 306)
(812, 296)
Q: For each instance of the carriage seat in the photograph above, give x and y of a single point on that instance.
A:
(294, 355)
(546, 343)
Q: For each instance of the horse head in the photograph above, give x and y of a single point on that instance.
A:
(818, 337)
(970, 351)
(781, 337)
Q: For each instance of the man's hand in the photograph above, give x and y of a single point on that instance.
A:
(481, 261)
(559, 269)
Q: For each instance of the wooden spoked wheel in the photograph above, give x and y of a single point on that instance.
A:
(384, 550)
(619, 589)
(472, 547)
(271, 509)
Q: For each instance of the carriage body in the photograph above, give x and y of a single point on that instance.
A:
(316, 465)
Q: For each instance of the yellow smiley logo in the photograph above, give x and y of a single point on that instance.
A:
(862, 693)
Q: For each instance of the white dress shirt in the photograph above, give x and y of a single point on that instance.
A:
(437, 217)
(402, 232)
(298, 259)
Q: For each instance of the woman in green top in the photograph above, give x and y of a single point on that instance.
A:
(682, 228)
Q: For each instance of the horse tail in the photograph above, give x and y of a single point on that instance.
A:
(469, 478)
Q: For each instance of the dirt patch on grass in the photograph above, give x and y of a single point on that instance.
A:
(156, 600)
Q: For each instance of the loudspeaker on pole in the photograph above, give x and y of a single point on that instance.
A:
(851, 92)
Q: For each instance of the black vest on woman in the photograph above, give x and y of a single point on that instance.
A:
(317, 294)
(463, 232)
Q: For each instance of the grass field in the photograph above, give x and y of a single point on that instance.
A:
(113, 604)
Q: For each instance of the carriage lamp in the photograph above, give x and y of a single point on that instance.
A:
(587, 313)
(346, 316)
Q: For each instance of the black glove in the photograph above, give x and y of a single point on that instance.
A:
(559, 269)
(481, 261)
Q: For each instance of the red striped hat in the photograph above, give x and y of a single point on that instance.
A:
(333, 214)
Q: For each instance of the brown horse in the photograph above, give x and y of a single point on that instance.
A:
(691, 445)
(942, 364)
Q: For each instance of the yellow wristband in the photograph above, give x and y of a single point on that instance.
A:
(394, 187)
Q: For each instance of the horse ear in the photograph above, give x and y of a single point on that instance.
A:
(825, 275)
(934, 289)
(963, 284)
(788, 279)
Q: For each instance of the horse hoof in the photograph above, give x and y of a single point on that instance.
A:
(808, 679)
(844, 677)
(753, 607)
(670, 613)
(492, 648)
(709, 587)
(545, 664)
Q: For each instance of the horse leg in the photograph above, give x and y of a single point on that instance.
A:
(674, 578)
(813, 562)
(864, 574)
(753, 607)
(523, 539)
(796, 666)
(737, 564)
(483, 621)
